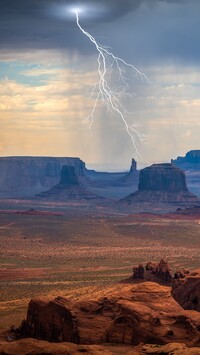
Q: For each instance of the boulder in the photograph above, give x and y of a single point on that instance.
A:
(186, 291)
(144, 312)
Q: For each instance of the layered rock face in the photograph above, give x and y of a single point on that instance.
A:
(162, 183)
(68, 176)
(26, 176)
(68, 188)
(162, 177)
(186, 291)
(139, 313)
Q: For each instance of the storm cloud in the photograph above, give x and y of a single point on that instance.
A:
(48, 68)
(35, 24)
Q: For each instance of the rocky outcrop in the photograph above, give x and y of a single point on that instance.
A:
(26, 176)
(139, 272)
(158, 272)
(68, 188)
(161, 270)
(144, 312)
(162, 183)
(131, 178)
(186, 291)
(118, 179)
(133, 166)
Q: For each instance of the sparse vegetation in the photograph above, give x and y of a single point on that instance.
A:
(59, 255)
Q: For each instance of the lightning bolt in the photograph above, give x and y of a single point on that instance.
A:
(110, 97)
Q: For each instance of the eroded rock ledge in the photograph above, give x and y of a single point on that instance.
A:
(143, 312)
(186, 291)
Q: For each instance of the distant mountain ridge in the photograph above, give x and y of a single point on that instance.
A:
(190, 161)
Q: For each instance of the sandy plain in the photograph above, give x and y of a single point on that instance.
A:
(81, 257)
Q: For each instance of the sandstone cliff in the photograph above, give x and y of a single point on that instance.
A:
(26, 176)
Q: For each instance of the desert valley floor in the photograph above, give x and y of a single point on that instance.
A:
(88, 256)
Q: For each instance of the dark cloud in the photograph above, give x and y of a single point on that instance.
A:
(44, 24)
(41, 9)
(113, 9)
(39, 24)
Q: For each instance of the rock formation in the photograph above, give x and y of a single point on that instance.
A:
(68, 188)
(190, 161)
(186, 291)
(158, 272)
(138, 272)
(26, 176)
(162, 183)
(131, 178)
(161, 270)
(133, 166)
(137, 313)
(162, 177)
(117, 179)
(191, 164)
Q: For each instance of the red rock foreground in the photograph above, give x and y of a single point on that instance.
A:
(141, 313)
(35, 347)
(187, 291)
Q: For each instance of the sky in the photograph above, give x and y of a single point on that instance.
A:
(48, 70)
